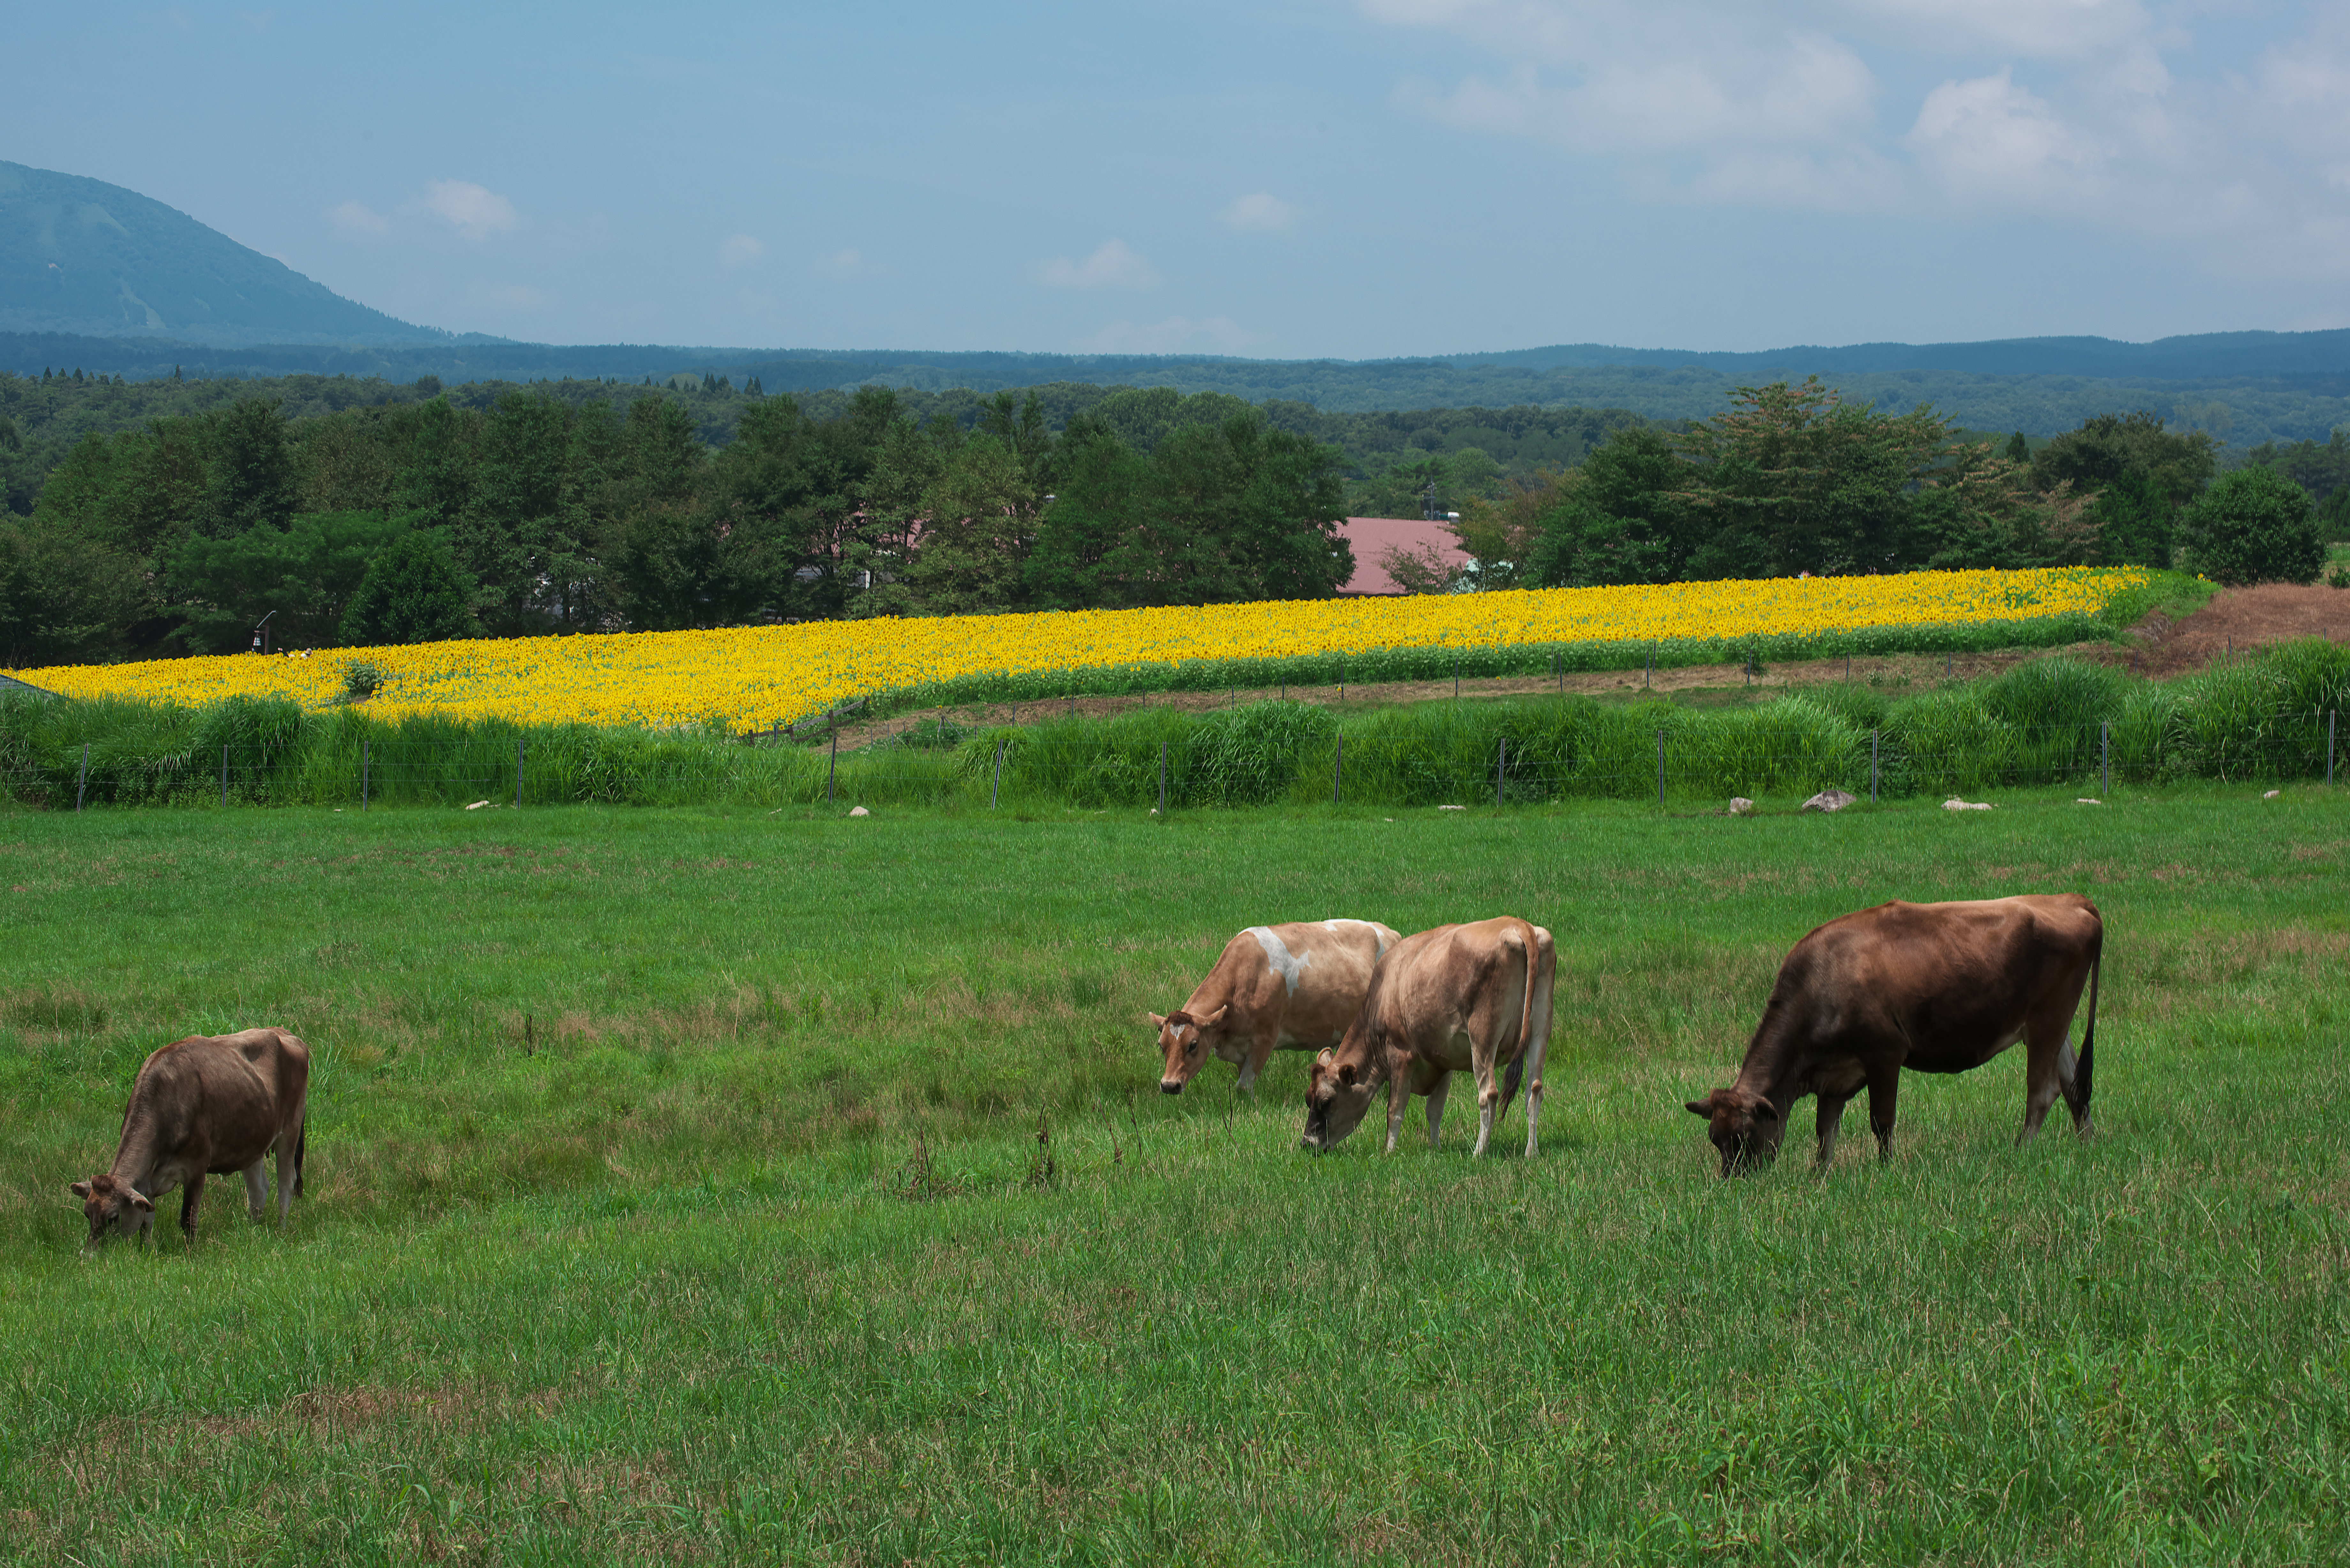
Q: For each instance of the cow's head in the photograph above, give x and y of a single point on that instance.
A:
(1744, 1125)
(1336, 1094)
(1185, 1042)
(113, 1207)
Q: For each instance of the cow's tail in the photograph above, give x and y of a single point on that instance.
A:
(2082, 1073)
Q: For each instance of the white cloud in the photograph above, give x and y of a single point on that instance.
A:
(476, 213)
(740, 250)
(1991, 139)
(2034, 29)
(1260, 212)
(838, 264)
(1175, 335)
(1114, 265)
(357, 220)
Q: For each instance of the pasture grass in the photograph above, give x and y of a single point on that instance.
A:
(709, 1185)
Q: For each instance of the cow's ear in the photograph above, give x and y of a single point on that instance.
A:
(1698, 1108)
(1323, 1060)
(1347, 1074)
(1156, 1022)
(1216, 1017)
(140, 1200)
(1766, 1112)
(81, 1190)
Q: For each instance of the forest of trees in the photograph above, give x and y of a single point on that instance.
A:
(147, 519)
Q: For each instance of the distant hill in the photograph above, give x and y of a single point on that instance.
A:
(101, 279)
(80, 256)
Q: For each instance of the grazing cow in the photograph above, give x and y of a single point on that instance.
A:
(204, 1106)
(1295, 987)
(1475, 996)
(1935, 988)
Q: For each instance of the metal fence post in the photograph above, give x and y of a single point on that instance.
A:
(517, 770)
(1501, 770)
(1872, 767)
(832, 767)
(1162, 778)
(2106, 757)
(81, 783)
(1337, 768)
(224, 773)
(1660, 767)
(995, 791)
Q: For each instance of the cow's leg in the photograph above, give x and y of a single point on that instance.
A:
(1260, 1051)
(1436, 1093)
(192, 1194)
(1884, 1090)
(2046, 1066)
(257, 1188)
(1488, 1098)
(1831, 1122)
(1399, 1096)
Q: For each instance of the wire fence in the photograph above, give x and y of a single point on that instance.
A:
(1525, 753)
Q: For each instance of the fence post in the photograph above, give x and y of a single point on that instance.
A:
(1337, 768)
(833, 767)
(995, 791)
(81, 783)
(364, 759)
(1162, 778)
(1660, 767)
(1872, 767)
(2106, 757)
(224, 775)
(517, 769)
(1501, 770)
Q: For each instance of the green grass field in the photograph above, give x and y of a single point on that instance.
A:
(676, 1192)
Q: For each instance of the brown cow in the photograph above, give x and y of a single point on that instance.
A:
(1474, 996)
(1296, 986)
(204, 1106)
(1935, 988)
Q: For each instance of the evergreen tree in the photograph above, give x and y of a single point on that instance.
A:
(414, 591)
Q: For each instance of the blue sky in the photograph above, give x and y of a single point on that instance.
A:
(1287, 178)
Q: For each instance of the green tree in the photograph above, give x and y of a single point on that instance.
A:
(251, 470)
(2133, 518)
(305, 573)
(1620, 518)
(413, 591)
(2254, 526)
(65, 598)
(2018, 449)
(2105, 448)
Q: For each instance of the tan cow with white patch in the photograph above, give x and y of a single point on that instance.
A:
(207, 1104)
(1292, 987)
(1474, 996)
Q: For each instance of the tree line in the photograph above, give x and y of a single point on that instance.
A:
(536, 515)
(1794, 478)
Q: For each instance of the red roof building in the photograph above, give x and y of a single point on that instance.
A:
(1370, 537)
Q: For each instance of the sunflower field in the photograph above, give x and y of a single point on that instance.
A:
(750, 679)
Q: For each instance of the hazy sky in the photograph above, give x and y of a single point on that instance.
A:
(1287, 178)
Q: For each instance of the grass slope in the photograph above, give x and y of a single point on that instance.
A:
(680, 1281)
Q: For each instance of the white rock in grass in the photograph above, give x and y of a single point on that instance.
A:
(1955, 804)
(859, 811)
(1741, 806)
(1451, 808)
(2272, 794)
(1830, 800)
(477, 806)
(2087, 799)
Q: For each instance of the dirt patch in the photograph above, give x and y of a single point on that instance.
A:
(2237, 619)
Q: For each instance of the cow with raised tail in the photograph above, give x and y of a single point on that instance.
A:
(1292, 987)
(204, 1106)
(1932, 987)
(1475, 996)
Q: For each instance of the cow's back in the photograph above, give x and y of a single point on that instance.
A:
(229, 1095)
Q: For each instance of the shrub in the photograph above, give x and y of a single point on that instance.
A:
(2255, 525)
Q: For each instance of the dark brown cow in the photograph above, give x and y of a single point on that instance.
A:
(1474, 996)
(1291, 986)
(204, 1106)
(1935, 988)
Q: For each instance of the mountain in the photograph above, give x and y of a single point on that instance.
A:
(82, 256)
